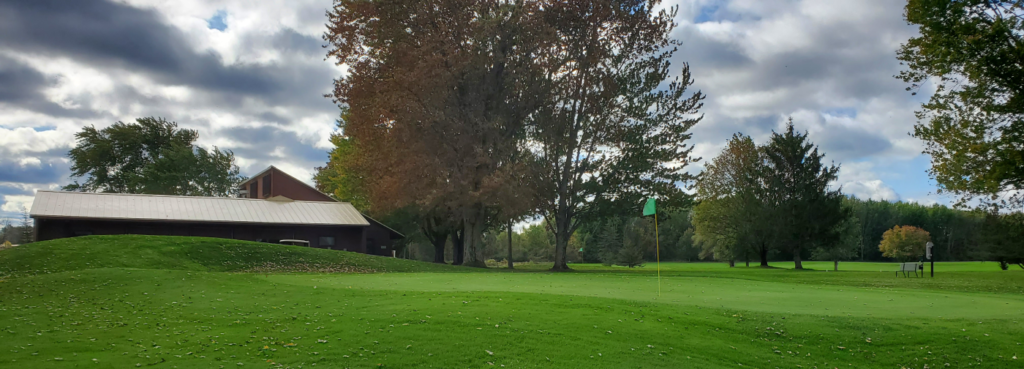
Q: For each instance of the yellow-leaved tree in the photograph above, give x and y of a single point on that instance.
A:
(904, 243)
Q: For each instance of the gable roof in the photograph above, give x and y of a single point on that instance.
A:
(276, 169)
(393, 232)
(58, 204)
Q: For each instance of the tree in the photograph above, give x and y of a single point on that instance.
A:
(808, 210)
(904, 243)
(973, 125)
(609, 241)
(27, 231)
(615, 123)
(847, 246)
(1002, 240)
(637, 237)
(340, 177)
(6, 230)
(734, 215)
(150, 156)
(438, 92)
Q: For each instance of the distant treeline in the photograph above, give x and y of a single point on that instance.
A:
(958, 235)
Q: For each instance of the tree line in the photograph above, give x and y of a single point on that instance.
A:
(17, 233)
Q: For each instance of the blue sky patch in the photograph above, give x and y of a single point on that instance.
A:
(218, 21)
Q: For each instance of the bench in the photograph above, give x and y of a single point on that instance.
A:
(906, 268)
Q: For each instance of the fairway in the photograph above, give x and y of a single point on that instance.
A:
(112, 309)
(713, 292)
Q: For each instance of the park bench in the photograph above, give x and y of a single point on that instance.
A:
(906, 268)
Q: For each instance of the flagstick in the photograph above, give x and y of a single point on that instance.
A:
(657, 250)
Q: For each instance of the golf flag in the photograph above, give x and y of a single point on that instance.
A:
(649, 207)
(650, 210)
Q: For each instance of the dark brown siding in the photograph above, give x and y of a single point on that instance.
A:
(346, 237)
(287, 186)
(378, 240)
(277, 183)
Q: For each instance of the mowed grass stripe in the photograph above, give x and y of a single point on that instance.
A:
(708, 292)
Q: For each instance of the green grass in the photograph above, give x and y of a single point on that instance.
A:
(167, 302)
(192, 253)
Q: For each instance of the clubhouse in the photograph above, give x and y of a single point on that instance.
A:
(272, 207)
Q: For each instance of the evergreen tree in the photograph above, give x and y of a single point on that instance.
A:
(27, 230)
(808, 210)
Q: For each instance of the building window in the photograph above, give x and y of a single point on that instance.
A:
(254, 190)
(326, 241)
(266, 186)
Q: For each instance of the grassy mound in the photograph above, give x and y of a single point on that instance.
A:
(192, 253)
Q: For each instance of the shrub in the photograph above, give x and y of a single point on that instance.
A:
(904, 243)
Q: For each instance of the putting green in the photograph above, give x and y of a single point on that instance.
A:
(776, 297)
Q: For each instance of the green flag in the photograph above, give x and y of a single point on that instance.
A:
(649, 207)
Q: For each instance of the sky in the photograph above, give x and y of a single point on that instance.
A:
(250, 77)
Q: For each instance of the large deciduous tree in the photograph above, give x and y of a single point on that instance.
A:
(152, 156)
(437, 92)
(973, 126)
(615, 123)
(807, 210)
(734, 215)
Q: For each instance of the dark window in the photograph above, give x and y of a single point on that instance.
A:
(326, 241)
(254, 190)
(266, 185)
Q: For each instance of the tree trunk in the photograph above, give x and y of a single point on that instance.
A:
(458, 249)
(732, 263)
(472, 237)
(562, 225)
(796, 259)
(764, 255)
(439, 243)
(835, 267)
(509, 244)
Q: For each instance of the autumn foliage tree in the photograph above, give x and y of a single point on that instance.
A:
(904, 243)
(437, 92)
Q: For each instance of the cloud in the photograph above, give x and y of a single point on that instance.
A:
(23, 86)
(15, 204)
(873, 189)
(33, 170)
(117, 35)
(250, 77)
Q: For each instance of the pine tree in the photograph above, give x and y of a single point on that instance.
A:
(809, 210)
(27, 230)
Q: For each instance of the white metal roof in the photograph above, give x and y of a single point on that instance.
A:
(55, 204)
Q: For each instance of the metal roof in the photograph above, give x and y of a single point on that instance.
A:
(56, 204)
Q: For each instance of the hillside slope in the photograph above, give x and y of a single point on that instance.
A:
(193, 253)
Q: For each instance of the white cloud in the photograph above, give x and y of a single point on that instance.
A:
(873, 189)
(16, 203)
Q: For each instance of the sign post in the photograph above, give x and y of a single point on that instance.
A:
(930, 256)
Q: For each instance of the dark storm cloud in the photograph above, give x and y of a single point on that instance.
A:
(844, 143)
(7, 189)
(287, 40)
(22, 86)
(107, 34)
(48, 171)
(262, 141)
